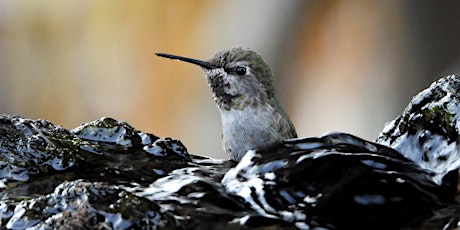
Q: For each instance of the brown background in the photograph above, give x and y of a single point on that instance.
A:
(339, 65)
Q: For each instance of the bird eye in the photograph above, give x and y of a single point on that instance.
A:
(240, 70)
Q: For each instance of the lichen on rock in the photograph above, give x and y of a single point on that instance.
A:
(428, 130)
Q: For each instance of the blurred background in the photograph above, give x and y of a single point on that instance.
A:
(342, 65)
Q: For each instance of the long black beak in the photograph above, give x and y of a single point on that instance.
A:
(203, 64)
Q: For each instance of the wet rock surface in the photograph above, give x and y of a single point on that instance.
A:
(107, 175)
(428, 130)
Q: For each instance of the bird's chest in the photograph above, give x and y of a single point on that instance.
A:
(248, 128)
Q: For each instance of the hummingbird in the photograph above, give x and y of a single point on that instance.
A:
(242, 87)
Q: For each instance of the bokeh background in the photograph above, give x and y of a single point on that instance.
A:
(339, 65)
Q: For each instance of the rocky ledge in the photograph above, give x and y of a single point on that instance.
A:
(107, 175)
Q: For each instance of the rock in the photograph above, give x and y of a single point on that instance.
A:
(428, 130)
(48, 172)
(336, 181)
(107, 175)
